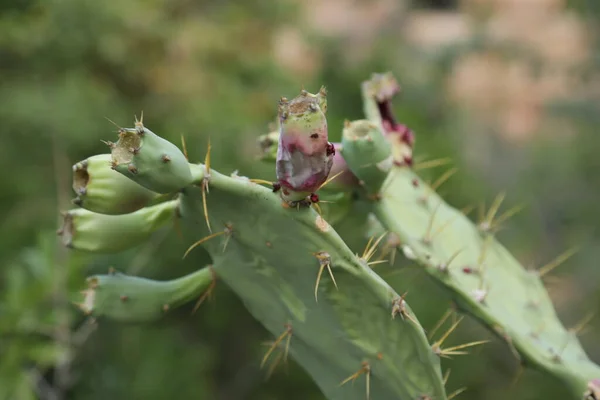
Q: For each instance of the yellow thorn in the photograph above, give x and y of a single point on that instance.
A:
(208, 292)
(456, 393)
(330, 179)
(264, 182)
(517, 376)
(288, 331)
(431, 164)
(184, 147)
(453, 350)
(507, 214)
(445, 176)
(205, 186)
(494, 208)
(448, 332)
(113, 122)
(324, 262)
(370, 250)
(446, 376)
(557, 261)
(581, 325)
(318, 208)
(426, 237)
(273, 365)
(440, 323)
(364, 369)
(199, 242)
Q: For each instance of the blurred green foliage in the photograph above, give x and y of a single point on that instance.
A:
(206, 69)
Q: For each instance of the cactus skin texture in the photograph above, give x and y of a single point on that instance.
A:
(340, 323)
(480, 275)
(101, 189)
(304, 155)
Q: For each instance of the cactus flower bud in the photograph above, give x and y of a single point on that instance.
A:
(304, 155)
(150, 160)
(101, 189)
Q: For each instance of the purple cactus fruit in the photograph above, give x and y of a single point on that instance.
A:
(304, 155)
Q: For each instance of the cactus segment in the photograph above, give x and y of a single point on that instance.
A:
(481, 276)
(304, 155)
(101, 189)
(133, 299)
(377, 94)
(150, 160)
(268, 144)
(365, 148)
(274, 272)
(101, 233)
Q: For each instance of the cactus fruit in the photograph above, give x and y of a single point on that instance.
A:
(481, 276)
(150, 160)
(101, 189)
(304, 155)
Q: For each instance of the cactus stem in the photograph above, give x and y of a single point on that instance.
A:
(456, 393)
(324, 262)
(364, 369)
(287, 333)
(546, 269)
(208, 292)
(226, 231)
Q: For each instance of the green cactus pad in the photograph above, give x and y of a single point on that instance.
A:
(270, 255)
(101, 189)
(150, 160)
(133, 299)
(89, 231)
(483, 278)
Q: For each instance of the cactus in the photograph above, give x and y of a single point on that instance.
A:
(282, 256)
(482, 277)
(294, 273)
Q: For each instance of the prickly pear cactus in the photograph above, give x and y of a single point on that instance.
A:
(327, 309)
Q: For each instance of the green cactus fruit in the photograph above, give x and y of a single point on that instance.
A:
(101, 189)
(150, 160)
(304, 155)
(363, 144)
(336, 326)
(89, 231)
(132, 299)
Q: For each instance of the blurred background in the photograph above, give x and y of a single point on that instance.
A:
(509, 89)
